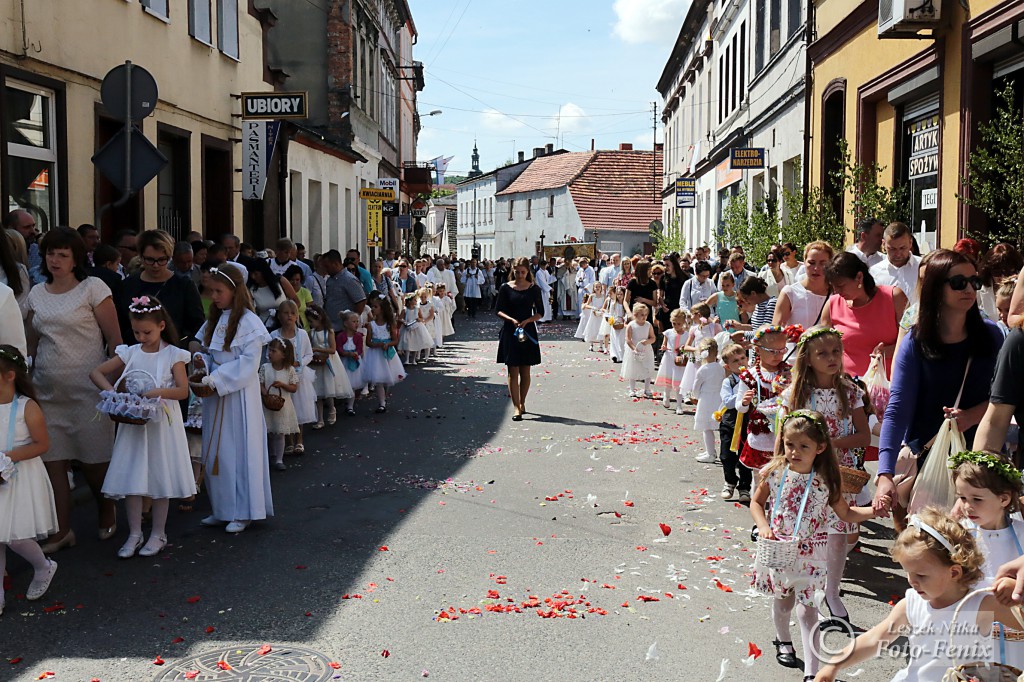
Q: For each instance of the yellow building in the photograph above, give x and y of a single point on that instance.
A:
(910, 102)
(53, 56)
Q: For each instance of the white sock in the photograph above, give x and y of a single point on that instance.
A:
(30, 551)
(275, 447)
(835, 565)
(782, 609)
(709, 442)
(807, 618)
(632, 385)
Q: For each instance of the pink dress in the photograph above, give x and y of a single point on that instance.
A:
(864, 328)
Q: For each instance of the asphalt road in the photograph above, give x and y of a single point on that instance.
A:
(444, 505)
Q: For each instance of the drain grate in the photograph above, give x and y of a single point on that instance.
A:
(290, 663)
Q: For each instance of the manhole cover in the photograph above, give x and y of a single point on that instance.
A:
(290, 663)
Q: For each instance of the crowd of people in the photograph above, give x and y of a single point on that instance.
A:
(206, 361)
(816, 363)
(211, 359)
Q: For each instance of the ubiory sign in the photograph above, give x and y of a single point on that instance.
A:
(274, 105)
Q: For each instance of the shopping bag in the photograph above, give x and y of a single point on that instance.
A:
(934, 484)
(878, 385)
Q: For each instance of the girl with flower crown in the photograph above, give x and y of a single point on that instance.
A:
(820, 384)
(152, 459)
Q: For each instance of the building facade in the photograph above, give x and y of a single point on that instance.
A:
(912, 105)
(53, 57)
(735, 79)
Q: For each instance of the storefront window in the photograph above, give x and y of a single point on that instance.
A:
(31, 151)
(921, 155)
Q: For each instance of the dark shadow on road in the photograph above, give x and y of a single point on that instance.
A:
(282, 579)
(566, 421)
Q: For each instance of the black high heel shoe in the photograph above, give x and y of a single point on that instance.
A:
(786, 659)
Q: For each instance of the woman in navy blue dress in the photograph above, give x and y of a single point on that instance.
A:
(520, 304)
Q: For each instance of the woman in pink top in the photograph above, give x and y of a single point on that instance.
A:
(867, 314)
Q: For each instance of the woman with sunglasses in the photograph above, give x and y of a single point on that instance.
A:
(178, 295)
(942, 370)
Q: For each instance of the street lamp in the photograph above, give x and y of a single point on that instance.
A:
(435, 112)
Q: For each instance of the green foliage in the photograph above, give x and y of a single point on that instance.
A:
(868, 198)
(668, 240)
(995, 173)
(819, 221)
(437, 193)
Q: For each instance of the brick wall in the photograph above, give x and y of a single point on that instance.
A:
(339, 67)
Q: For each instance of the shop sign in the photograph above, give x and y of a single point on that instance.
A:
(725, 176)
(686, 193)
(747, 157)
(924, 148)
(929, 199)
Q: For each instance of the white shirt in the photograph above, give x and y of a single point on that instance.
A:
(12, 331)
(872, 260)
(608, 274)
(585, 276)
(241, 268)
(445, 277)
(887, 274)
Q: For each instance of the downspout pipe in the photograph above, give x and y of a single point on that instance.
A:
(808, 89)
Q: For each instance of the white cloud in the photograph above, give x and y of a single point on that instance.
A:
(571, 119)
(494, 120)
(649, 21)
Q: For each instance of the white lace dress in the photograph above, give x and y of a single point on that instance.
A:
(638, 366)
(304, 399)
(27, 511)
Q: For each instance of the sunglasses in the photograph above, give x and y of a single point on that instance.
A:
(960, 282)
(770, 260)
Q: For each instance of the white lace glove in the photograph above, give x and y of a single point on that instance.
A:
(208, 381)
(7, 468)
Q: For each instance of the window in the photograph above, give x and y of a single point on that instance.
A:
(200, 21)
(721, 87)
(551, 205)
(794, 16)
(31, 136)
(759, 36)
(742, 58)
(511, 203)
(227, 27)
(529, 209)
(735, 80)
(157, 8)
(173, 183)
(775, 32)
(727, 82)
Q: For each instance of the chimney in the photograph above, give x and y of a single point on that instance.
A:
(538, 152)
(625, 146)
(522, 156)
(549, 148)
(591, 144)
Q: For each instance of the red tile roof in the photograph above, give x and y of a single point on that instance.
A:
(619, 190)
(549, 172)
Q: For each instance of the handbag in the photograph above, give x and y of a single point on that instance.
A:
(937, 488)
(782, 552)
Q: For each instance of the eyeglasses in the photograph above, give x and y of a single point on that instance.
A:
(960, 282)
(156, 261)
(773, 351)
(770, 260)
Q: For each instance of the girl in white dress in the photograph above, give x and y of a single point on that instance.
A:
(149, 460)
(279, 377)
(448, 309)
(304, 398)
(330, 380)
(428, 316)
(586, 293)
(707, 387)
(438, 330)
(638, 364)
(592, 333)
(617, 310)
(349, 359)
(234, 429)
(670, 373)
(381, 365)
(943, 564)
(27, 511)
(703, 328)
(414, 337)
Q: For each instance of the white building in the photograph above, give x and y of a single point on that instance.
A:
(477, 206)
(735, 79)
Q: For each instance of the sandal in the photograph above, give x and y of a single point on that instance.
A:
(786, 659)
(381, 409)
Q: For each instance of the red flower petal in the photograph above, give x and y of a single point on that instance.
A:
(224, 665)
(177, 640)
(193, 600)
(335, 665)
(628, 503)
(158, 661)
(191, 674)
(385, 653)
(383, 548)
(14, 661)
(722, 587)
(665, 528)
(300, 567)
(263, 650)
(210, 629)
(752, 650)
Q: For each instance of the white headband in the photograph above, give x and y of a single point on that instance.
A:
(916, 522)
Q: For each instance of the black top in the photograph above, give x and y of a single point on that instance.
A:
(519, 305)
(1008, 382)
(179, 297)
(637, 290)
(673, 287)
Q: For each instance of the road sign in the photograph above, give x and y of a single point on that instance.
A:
(272, 105)
(122, 80)
(686, 193)
(746, 157)
(374, 223)
(418, 209)
(377, 194)
(146, 160)
(390, 208)
(404, 222)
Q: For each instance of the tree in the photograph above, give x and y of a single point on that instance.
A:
(668, 240)
(869, 198)
(995, 173)
(818, 221)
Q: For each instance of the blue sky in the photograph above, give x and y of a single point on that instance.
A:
(503, 71)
